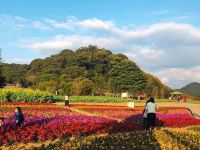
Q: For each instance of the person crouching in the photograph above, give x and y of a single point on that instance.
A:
(1, 122)
(19, 117)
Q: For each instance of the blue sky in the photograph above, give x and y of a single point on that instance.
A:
(162, 37)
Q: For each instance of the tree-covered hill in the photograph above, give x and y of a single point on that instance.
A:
(83, 72)
(192, 89)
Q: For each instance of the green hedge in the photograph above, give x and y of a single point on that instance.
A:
(25, 95)
(98, 99)
(107, 99)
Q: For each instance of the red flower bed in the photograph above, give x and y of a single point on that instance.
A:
(179, 122)
(64, 129)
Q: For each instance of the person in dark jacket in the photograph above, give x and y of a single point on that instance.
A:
(19, 117)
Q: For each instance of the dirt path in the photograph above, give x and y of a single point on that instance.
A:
(92, 114)
(195, 108)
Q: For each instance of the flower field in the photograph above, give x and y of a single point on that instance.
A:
(166, 116)
(106, 127)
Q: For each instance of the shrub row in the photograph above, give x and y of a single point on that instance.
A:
(98, 99)
(25, 95)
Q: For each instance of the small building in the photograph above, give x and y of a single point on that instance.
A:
(112, 94)
(125, 95)
(131, 104)
(10, 85)
(176, 95)
(142, 96)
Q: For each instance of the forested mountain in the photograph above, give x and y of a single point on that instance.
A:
(192, 89)
(84, 71)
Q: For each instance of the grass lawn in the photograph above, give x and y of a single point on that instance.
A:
(107, 99)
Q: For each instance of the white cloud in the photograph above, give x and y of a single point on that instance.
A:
(12, 22)
(172, 45)
(93, 24)
(165, 31)
(161, 46)
(60, 25)
(19, 60)
(18, 23)
(178, 77)
(72, 42)
(96, 24)
(39, 25)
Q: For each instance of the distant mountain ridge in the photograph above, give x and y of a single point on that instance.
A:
(192, 89)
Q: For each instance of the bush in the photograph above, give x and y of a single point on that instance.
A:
(25, 95)
(108, 99)
(98, 99)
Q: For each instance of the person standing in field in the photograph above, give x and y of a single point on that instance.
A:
(19, 117)
(151, 108)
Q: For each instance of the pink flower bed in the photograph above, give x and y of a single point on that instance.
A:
(118, 112)
(166, 116)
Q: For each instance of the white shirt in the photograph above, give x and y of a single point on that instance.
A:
(151, 107)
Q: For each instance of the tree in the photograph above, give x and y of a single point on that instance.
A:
(47, 77)
(73, 72)
(155, 87)
(162, 93)
(100, 84)
(82, 86)
(127, 76)
(15, 73)
(155, 92)
(50, 86)
(31, 79)
(65, 88)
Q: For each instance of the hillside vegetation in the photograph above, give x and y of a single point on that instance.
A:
(25, 95)
(83, 72)
(192, 89)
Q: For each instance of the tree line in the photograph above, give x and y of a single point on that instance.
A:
(88, 70)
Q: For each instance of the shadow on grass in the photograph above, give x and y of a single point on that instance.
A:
(135, 140)
(128, 134)
(139, 140)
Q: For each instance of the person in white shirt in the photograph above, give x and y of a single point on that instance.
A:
(151, 108)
